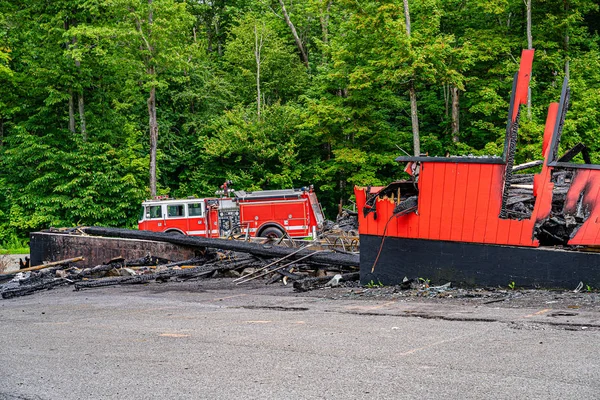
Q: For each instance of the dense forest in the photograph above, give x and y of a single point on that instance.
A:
(106, 102)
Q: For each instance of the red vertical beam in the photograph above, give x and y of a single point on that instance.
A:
(460, 195)
(382, 216)
(588, 232)
(471, 197)
(483, 199)
(412, 223)
(397, 226)
(591, 225)
(450, 177)
(494, 205)
(437, 200)
(524, 76)
(426, 179)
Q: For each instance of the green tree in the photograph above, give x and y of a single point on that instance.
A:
(155, 37)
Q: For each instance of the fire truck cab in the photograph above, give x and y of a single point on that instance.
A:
(267, 213)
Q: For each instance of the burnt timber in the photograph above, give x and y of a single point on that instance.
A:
(99, 244)
(478, 222)
(199, 243)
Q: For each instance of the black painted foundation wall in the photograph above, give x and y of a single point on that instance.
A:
(50, 246)
(470, 264)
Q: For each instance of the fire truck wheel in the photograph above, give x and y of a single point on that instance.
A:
(174, 233)
(272, 232)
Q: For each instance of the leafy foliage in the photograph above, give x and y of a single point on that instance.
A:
(340, 121)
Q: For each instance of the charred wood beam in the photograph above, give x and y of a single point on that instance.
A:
(145, 261)
(165, 275)
(522, 179)
(101, 268)
(585, 153)
(569, 155)
(307, 284)
(519, 191)
(519, 199)
(29, 289)
(578, 148)
(527, 165)
(44, 266)
(331, 268)
(284, 273)
(244, 247)
(162, 275)
(191, 261)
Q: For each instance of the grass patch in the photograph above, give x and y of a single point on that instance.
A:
(14, 245)
(18, 250)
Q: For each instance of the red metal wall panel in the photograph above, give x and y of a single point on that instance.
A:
(426, 195)
(523, 80)
(457, 202)
(434, 214)
(449, 193)
(471, 192)
(458, 210)
(585, 185)
(494, 205)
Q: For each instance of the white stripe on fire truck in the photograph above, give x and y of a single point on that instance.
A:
(287, 228)
(296, 228)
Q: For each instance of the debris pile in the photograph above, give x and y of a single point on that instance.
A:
(343, 233)
(520, 200)
(346, 221)
(560, 226)
(216, 258)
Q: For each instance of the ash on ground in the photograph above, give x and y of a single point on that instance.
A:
(585, 298)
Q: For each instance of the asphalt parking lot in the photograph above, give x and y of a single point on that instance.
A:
(212, 340)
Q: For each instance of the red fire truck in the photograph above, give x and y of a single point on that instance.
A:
(266, 213)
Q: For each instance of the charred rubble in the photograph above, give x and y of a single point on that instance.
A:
(561, 225)
(403, 193)
(346, 221)
(306, 267)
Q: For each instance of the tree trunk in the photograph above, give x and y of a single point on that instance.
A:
(324, 19)
(414, 118)
(153, 137)
(303, 54)
(407, 17)
(218, 37)
(257, 49)
(455, 114)
(414, 115)
(446, 90)
(71, 99)
(152, 121)
(71, 112)
(529, 46)
(82, 118)
(566, 40)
